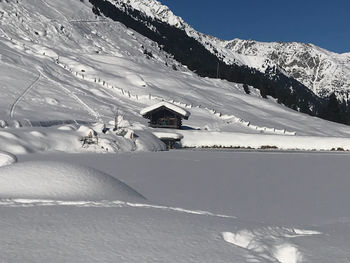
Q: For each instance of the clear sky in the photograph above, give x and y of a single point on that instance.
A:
(325, 23)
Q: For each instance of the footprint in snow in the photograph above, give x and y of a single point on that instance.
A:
(269, 244)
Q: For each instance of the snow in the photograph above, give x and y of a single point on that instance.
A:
(274, 208)
(288, 254)
(61, 181)
(146, 141)
(155, 9)
(27, 140)
(303, 189)
(199, 139)
(85, 73)
(320, 70)
(67, 202)
(168, 105)
(168, 135)
(283, 252)
(36, 137)
(7, 158)
(90, 234)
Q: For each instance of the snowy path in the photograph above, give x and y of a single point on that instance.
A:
(24, 93)
(103, 203)
(92, 112)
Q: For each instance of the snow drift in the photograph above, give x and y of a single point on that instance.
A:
(7, 158)
(61, 181)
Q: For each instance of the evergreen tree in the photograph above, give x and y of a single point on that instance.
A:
(246, 89)
(333, 110)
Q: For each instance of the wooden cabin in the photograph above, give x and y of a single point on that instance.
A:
(165, 115)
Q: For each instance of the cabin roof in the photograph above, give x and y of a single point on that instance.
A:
(168, 135)
(168, 105)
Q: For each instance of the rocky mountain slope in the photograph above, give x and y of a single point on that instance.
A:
(63, 67)
(321, 71)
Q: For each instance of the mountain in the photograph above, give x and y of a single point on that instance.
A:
(71, 67)
(301, 76)
(83, 178)
(322, 71)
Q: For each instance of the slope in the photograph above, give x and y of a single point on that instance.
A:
(63, 69)
(318, 69)
(193, 50)
(290, 72)
(322, 71)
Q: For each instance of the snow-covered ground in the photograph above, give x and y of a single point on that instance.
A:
(179, 206)
(67, 75)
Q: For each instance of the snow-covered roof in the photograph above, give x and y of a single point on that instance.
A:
(168, 105)
(168, 135)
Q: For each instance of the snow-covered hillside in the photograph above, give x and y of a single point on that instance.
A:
(74, 82)
(320, 70)
(69, 71)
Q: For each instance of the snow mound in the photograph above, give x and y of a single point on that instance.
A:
(146, 141)
(61, 181)
(7, 158)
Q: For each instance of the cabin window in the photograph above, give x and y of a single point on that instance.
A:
(166, 121)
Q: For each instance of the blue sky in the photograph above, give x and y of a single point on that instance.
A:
(325, 23)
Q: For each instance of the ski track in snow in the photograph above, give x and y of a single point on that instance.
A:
(103, 203)
(24, 93)
(91, 112)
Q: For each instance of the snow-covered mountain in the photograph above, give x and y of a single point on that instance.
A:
(322, 71)
(62, 64)
(70, 74)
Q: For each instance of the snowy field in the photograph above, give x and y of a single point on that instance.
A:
(67, 74)
(179, 206)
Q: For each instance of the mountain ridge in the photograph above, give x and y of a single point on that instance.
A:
(323, 71)
(206, 56)
(324, 76)
(92, 60)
